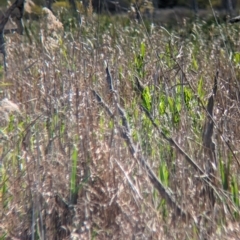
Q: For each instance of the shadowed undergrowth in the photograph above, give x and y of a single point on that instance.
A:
(105, 106)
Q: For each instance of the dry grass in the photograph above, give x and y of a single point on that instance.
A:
(50, 22)
(66, 169)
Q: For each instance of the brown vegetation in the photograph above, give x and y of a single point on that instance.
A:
(122, 150)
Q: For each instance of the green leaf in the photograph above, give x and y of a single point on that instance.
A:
(234, 191)
(224, 172)
(146, 96)
(187, 97)
(143, 49)
(194, 63)
(164, 174)
(171, 104)
(236, 58)
(178, 106)
(200, 88)
(162, 106)
(73, 186)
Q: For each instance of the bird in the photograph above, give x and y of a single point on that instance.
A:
(235, 19)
